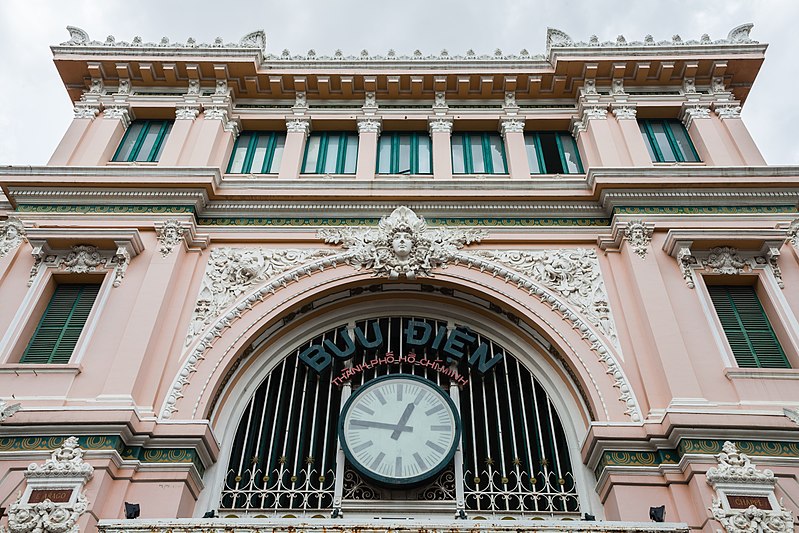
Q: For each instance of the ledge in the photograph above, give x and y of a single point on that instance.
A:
(327, 525)
(761, 373)
(22, 368)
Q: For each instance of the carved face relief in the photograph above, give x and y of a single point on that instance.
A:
(402, 245)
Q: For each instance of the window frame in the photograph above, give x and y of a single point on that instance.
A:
(539, 155)
(54, 357)
(155, 152)
(252, 144)
(19, 332)
(341, 156)
(395, 153)
(485, 144)
(655, 149)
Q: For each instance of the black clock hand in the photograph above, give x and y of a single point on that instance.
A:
(380, 425)
(403, 419)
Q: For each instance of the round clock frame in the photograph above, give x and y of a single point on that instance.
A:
(390, 481)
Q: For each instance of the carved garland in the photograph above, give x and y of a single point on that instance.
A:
(82, 258)
(402, 245)
(727, 260)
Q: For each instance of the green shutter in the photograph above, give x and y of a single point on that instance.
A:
(61, 325)
(747, 328)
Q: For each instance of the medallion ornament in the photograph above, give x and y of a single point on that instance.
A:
(402, 245)
(724, 260)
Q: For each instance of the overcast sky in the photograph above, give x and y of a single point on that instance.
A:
(36, 111)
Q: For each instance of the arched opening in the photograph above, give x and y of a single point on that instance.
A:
(521, 419)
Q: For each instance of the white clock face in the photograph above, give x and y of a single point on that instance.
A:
(399, 429)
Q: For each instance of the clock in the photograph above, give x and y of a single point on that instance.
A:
(399, 429)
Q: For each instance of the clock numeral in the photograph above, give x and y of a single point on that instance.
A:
(380, 397)
(398, 466)
(435, 409)
(376, 463)
(361, 447)
(435, 446)
(399, 392)
(420, 461)
(420, 397)
(363, 408)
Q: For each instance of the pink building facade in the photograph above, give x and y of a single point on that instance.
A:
(247, 285)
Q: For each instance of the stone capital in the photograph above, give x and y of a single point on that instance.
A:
(625, 111)
(511, 125)
(186, 111)
(693, 110)
(120, 112)
(440, 124)
(370, 125)
(727, 110)
(298, 125)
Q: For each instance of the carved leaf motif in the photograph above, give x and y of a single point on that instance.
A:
(232, 271)
(572, 273)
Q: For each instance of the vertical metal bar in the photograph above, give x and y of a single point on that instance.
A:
(540, 434)
(555, 449)
(338, 490)
(460, 500)
(272, 444)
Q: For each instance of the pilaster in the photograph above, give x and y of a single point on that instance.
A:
(704, 129)
(728, 112)
(368, 132)
(297, 130)
(512, 130)
(441, 132)
(185, 115)
(217, 129)
(101, 141)
(626, 115)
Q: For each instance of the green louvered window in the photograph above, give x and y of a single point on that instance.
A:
(61, 325)
(143, 141)
(747, 328)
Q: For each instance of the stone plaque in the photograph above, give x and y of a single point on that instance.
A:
(740, 501)
(54, 495)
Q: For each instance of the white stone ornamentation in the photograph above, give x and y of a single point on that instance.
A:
(370, 100)
(369, 125)
(589, 88)
(510, 106)
(771, 256)
(64, 470)
(7, 410)
(440, 124)
(298, 125)
(440, 101)
(83, 258)
(170, 234)
(215, 113)
(594, 112)
(793, 233)
(726, 111)
(122, 113)
(724, 260)
(689, 86)
(186, 112)
(736, 475)
(573, 274)
(511, 125)
(12, 234)
(638, 235)
(694, 111)
(232, 271)
(624, 111)
(717, 85)
(221, 88)
(86, 110)
(687, 262)
(617, 87)
(402, 245)
(194, 87)
(124, 87)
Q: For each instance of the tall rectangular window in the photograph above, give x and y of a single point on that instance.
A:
(144, 141)
(552, 153)
(404, 153)
(478, 153)
(257, 152)
(747, 327)
(61, 325)
(331, 153)
(667, 141)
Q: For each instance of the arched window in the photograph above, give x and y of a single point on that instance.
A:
(513, 458)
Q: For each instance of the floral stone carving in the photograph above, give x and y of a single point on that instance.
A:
(231, 271)
(64, 470)
(737, 467)
(402, 245)
(12, 234)
(572, 273)
(724, 260)
(752, 519)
